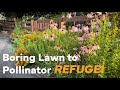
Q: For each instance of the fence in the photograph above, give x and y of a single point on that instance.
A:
(40, 25)
(7, 25)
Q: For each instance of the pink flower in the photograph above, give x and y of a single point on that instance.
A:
(85, 28)
(89, 34)
(55, 27)
(95, 47)
(90, 15)
(75, 29)
(80, 30)
(85, 49)
(81, 48)
(82, 52)
(90, 51)
(56, 24)
(80, 38)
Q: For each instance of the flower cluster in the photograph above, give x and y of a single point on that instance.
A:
(91, 50)
(58, 48)
(50, 38)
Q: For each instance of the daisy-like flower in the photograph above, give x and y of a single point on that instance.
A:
(55, 27)
(90, 15)
(90, 51)
(82, 52)
(46, 36)
(62, 30)
(86, 50)
(80, 38)
(99, 13)
(53, 35)
(62, 50)
(57, 47)
(51, 38)
(69, 15)
(74, 28)
(56, 24)
(85, 28)
(51, 25)
(82, 47)
(89, 34)
(98, 47)
(95, 47)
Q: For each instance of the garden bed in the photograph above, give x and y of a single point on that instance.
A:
(91, 48)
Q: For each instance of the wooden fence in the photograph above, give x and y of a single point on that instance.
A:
(39, 25)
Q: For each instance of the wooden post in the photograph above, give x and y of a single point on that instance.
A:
(36, 27)
(60, 20)
(32, 25)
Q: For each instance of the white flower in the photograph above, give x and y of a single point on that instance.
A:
(99, 13)
(51, 38)
(57, 47)
(61, 63)
(62, 50)
(69, 15)
(46, 36)
(75, 49)
(62, 31)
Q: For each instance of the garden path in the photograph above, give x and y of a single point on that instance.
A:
(6, 48)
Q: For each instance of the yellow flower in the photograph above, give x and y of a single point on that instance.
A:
(23, 40)
(26, 52)
(15, 54)
(27, 35)
(19, 44)
(17, 63)
(19, 50)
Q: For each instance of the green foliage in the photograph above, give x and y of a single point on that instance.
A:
(108, 39)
